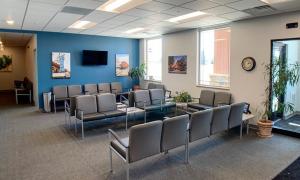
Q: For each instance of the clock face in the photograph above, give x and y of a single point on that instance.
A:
(248, 64)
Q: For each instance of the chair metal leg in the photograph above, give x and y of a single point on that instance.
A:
(247, 127)
(69, 120)
(54, 104)
(241, 130)
(75, 125)
(145, 117)
(127, 170)
(110, 159)
(187, 149)
(126, 122)
(82, 130)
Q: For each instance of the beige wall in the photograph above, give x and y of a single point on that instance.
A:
(18, 72)
(248, 38)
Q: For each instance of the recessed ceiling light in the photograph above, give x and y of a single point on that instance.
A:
(82, 25)
(10, 22)
(118, 6)
(134, 30)
(186, 16)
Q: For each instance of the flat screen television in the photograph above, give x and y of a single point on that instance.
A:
(94, 57)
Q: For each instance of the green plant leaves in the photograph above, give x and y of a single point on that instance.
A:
(5, 61)
(183, 96)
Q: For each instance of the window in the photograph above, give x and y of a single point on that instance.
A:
(153, 59)
(215, 58)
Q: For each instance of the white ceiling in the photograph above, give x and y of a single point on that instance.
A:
(15, 39)
(47, 15)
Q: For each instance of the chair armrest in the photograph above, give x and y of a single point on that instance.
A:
(170, 92)
(80, 112)
(67, 106)
(115, 135)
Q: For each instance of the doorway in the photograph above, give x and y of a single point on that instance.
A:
(286, 52)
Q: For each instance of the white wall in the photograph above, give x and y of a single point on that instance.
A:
(18, 73)
(248, 38)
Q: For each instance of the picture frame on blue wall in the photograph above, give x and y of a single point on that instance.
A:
(61, 65)
(122, 64)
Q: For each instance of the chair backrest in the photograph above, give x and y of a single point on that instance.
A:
(236, 114)
(60, 91)
(207, 97)
(90, 89)
(141, 97)
(116, 87)
(222, 98)
(74, 90)
(72, 105)
(220, 119)
(104, 88)
(144, 140)
(174, 132)
(200, 124)
(86, 103)
(156, 96)
(106, 102)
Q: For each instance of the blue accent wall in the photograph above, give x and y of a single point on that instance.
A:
(48, 42)
(74, 44)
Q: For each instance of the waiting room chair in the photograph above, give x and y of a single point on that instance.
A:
(116, 87)
(167, 93)
(220, 119)
(143, 141)
(236, 116)
(23, 88)
(104, 88)
(90, 89)
(222, 98)
(74, 90)
(200, 124)
(206, 100)
(60, 93)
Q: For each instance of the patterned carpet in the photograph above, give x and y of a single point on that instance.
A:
(36, 145)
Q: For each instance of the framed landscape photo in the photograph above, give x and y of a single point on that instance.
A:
(61, 65)
(177, 64)
(122, 64)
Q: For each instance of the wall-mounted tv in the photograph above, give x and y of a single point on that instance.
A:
(94, 57)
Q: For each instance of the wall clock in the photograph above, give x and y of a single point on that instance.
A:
(248, 63)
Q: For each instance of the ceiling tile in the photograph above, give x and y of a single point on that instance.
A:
(286, 6)
(124, 18)
(146, 21)
(219, 10)
(89, 4)
(160, 17)
(246, 4)
(175, 2)
(178, 11)
(57, 2)
(222, 2)
(98, 16)
(236, 15)
(61, 21)
(139, 13)
(155, 6)
(200, 5)
(68, 30)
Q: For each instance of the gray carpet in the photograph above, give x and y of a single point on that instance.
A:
(35, 145)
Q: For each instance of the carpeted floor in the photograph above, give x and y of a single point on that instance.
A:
(35, 145)
(291, 172)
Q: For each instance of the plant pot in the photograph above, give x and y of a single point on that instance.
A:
(264, 128)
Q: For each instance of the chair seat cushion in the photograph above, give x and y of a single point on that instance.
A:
(92, 116)
(169, 104)
(110, 114)
(23, 91)
(151, 107)
(120, 148)
(199, 106)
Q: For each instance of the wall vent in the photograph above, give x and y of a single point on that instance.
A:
(76, 10)
(261, 10)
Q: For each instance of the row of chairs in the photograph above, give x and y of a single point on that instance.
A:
(62, 93)
(156, 137)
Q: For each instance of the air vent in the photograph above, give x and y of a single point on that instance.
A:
(261, 10)
(76, 10)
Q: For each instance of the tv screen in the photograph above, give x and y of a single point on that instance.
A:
(94, 57)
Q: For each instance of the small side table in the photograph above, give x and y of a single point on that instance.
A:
(245, 120)
(133, 111)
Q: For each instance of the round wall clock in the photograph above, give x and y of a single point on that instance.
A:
(248, 63)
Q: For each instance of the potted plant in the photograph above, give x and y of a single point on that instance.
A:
(282, 75)
(182, 97)
(135, 73)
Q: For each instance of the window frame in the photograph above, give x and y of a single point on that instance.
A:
(224, 26)
(146, 78)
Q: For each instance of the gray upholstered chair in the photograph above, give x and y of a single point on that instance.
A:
(104, 88)
(206, 100)
(108, 106)
(167, 93)
(86, 110)
(236, 116)
(90, 89)
(220, 119)
(116, 87)
(60, 93)
(222, 98)
(200, 124)
(70, 108)
(143, 141)
(175, 134)
(158, 98)
(74, 90)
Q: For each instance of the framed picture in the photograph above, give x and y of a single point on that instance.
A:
(122, 64)
(6, 63)
(61, 65)
(177, 64)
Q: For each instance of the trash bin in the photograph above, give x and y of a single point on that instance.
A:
(47, 101)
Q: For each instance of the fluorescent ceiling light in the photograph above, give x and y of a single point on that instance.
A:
(82, 25)
(275, 1)
(10, 22)
(118, 6)
(134, 30)
(186, 16)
